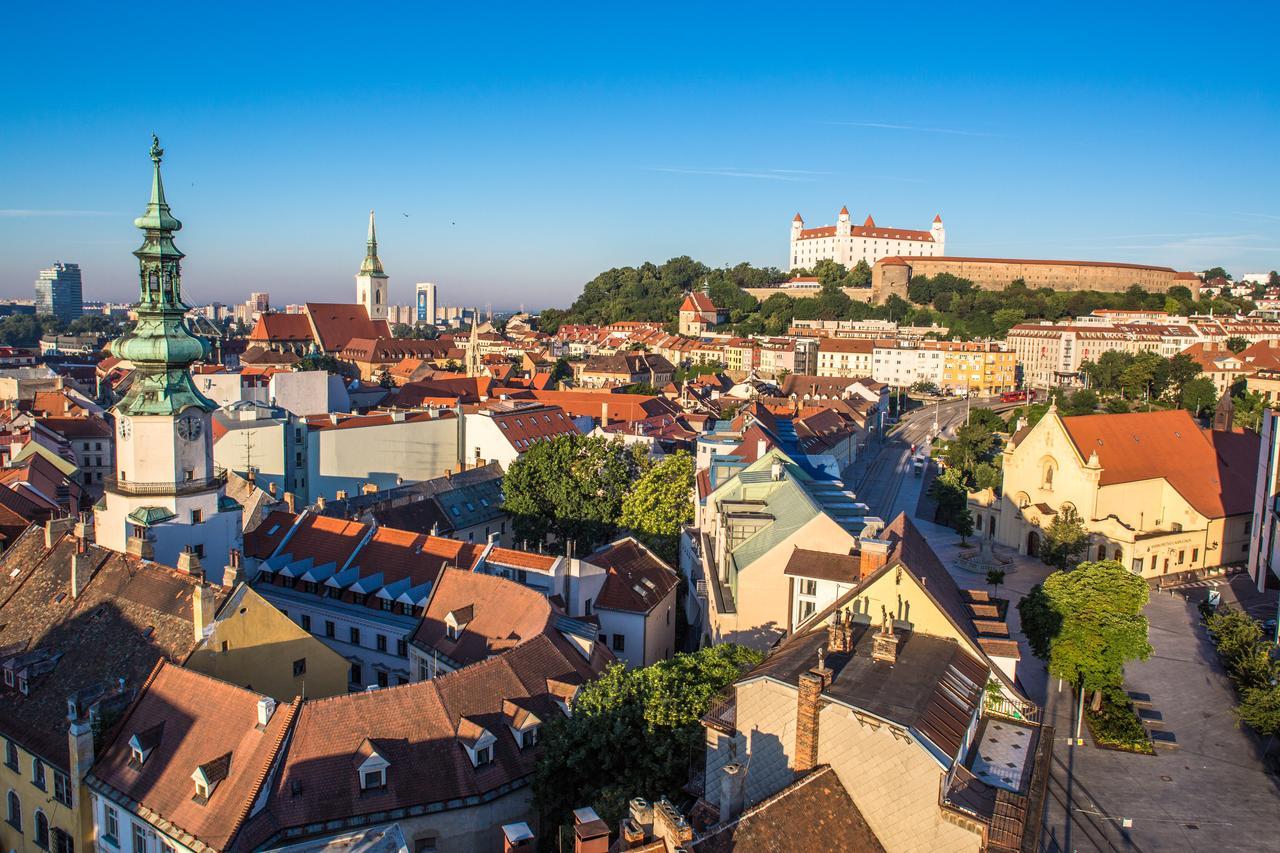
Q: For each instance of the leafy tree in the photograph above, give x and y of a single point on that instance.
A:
(995, 577)
(1214, 273)
(987, 475)
(1248, 409)
(20, 330)
(1198, 395)
(402, 330)
(1116, 406)
(660, 504)
(951, 496)
(322, 361)
(634, 732)
(1182, 369)
(1040, 622)
(96, 324)
(1260, 708)
(571, 487)
(385, 380)
(1081, 402)
(1237, 344)
(1100, 605)
(860, 275)
(1066, 539)
(987, 419)
(964, 524)
(973, 443)
(924, 387)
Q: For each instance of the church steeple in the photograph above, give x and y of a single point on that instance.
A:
(371, 265)
(371, 281)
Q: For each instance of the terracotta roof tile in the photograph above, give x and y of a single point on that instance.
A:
(637, 580)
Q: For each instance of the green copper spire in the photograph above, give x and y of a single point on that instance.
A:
(160, 346)
(371, 266)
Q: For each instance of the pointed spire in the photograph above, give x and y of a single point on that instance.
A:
(157, 217)
(798, 218)
(371, 265)
(844, 211)
(937, 220)
(869, 223)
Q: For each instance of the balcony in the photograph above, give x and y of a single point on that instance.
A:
(186, 487)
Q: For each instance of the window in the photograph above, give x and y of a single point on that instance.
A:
(529, 737)
(357, 675)
(62, 843)
(306, 622)
(1195, 555)
(197, 516)
(299, 667)
(382, 679)
(380, 642)
(619, 643)
(451, 631)
(587, 608)
(484, 755)
(808, 587)
(1182, 557)
(373, 779)
(15, 811)
(37, 774)
(806, 609)
(139, 838)
(402, 648)
(42, 830)
(329, 629)
(355, 636)
(387, 604)
(1137, 565)
(62, 788)
(11, 754)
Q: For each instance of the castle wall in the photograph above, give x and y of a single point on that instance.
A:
(892, 277)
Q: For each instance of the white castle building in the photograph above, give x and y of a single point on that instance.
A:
(847, 244)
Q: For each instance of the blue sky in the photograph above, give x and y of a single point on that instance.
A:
(533, 146)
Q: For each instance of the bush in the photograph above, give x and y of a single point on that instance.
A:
(1117, 724)
(1247, 657)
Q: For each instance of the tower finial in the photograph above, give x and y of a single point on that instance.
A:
(156, 151)
(372, 265)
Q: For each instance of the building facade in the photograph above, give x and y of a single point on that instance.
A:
(847, 244)
(59, 292)
(845, 357)
(424, 294)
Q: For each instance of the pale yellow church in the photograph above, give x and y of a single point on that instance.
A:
(1156, 491)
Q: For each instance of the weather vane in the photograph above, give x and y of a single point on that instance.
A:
(156, 151)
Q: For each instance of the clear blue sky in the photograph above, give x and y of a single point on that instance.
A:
(533, 147)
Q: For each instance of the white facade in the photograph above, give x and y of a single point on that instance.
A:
(845, 358)
(901, 366)
(640, 639)
(425, 293)
(847, 244)
(384, 454)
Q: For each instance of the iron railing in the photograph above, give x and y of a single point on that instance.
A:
(185, 487)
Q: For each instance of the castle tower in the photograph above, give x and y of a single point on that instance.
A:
(166, 497)
(844, 226)
(939, 235)
(371, 281)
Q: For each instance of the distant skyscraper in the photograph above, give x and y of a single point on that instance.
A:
(58, 292)
(426, 302)
(260, 302)
(371, 281)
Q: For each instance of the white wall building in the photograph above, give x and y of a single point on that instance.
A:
(847, 244)
(425, 293)
(901, 365)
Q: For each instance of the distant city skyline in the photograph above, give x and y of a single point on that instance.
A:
(515, 167)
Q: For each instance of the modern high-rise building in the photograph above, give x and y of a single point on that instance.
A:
(371, 281)
(425, 298)
(58, 292)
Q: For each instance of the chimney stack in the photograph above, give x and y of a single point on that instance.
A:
(604, 414)
(266, 707)
(670, 825)
(202, 610)
(840, 634)
(590, 833)
(290, 501)
(808, 706)
(83, 529)
(732, 784)
(872, 555)
(273, 488)
(54, 528)
(320, 503)
(140, 546)
(233, 573)
(80, 573)
(517, 838)
(189, 562)
(884, 645)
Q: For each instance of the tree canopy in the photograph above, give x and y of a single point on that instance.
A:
(571, 487)
(633, 733)
(660, 503)
(1066, 539)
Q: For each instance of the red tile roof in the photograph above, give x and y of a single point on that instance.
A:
(282, 328)
(697, 301)
(325, 539)
(1170, 445)
(335, 324)
(637, 580)
(498, 615)
(625, 407)
(193, 720)
(524, 427)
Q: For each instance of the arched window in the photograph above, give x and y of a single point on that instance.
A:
(42, 830)
(15, 811)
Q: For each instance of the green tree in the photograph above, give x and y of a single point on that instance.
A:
(995, 577)
(1236, 343)
(1100, 605)
(660, 504)
(973, 443)
(20, 330)
(1081, 402)
(1214, 273)
(1066, 539)
(1182, 369)
(860, 275)
(1260, 709)
(633, 732)
(385, 380)
(1198, 395)
(96, 324)
(951, 497)
(571, 487)
(1040, 622)
(322, 361)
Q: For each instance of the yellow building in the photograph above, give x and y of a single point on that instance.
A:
(1155, 491)
(981, 368)
(253, 644)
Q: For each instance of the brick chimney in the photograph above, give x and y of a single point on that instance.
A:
(202, 610)
(518, 838)
(670, 825)
(233, 573)
(80, 571)
(189, 562)
(872, 555)
(808, 706)
(590, 833)
(840, 633)
(273, 488)
(290, 501)
(140, 545)
(884, 645)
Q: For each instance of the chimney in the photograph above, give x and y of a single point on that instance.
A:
(273, 488)
(80, 743)
(670, 825)
(640, 816)
(340, 494)
(369, 489)
(590, 833)
(266, 707)
(808, 706)
(884, 645)
(775, 470)
(79, 568)
(517, 838)
(54, 528)
(140, 546)
(604, 414)
(83, 529)
(840, 634)
(202, 607)
(233, 573)
(320, 503)
(290, 501)
(872, 555)
(732, 783)
(189, 562)
(251, 475)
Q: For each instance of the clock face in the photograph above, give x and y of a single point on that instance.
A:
(190, 427)
(126, 429)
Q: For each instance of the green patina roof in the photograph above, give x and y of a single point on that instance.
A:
(226, 504)
(371, 265)
(149, 515)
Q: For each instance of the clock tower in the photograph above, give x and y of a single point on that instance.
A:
(166, 496)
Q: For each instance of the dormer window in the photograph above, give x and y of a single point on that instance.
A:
(483, 755)
(529, 737)
(372, 770)
(373, 779)
(208, 775)
(451, 631)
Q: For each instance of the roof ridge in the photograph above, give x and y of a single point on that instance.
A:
(247, 805)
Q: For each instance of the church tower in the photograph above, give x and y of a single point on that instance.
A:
(371, 281)
(166, 497)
